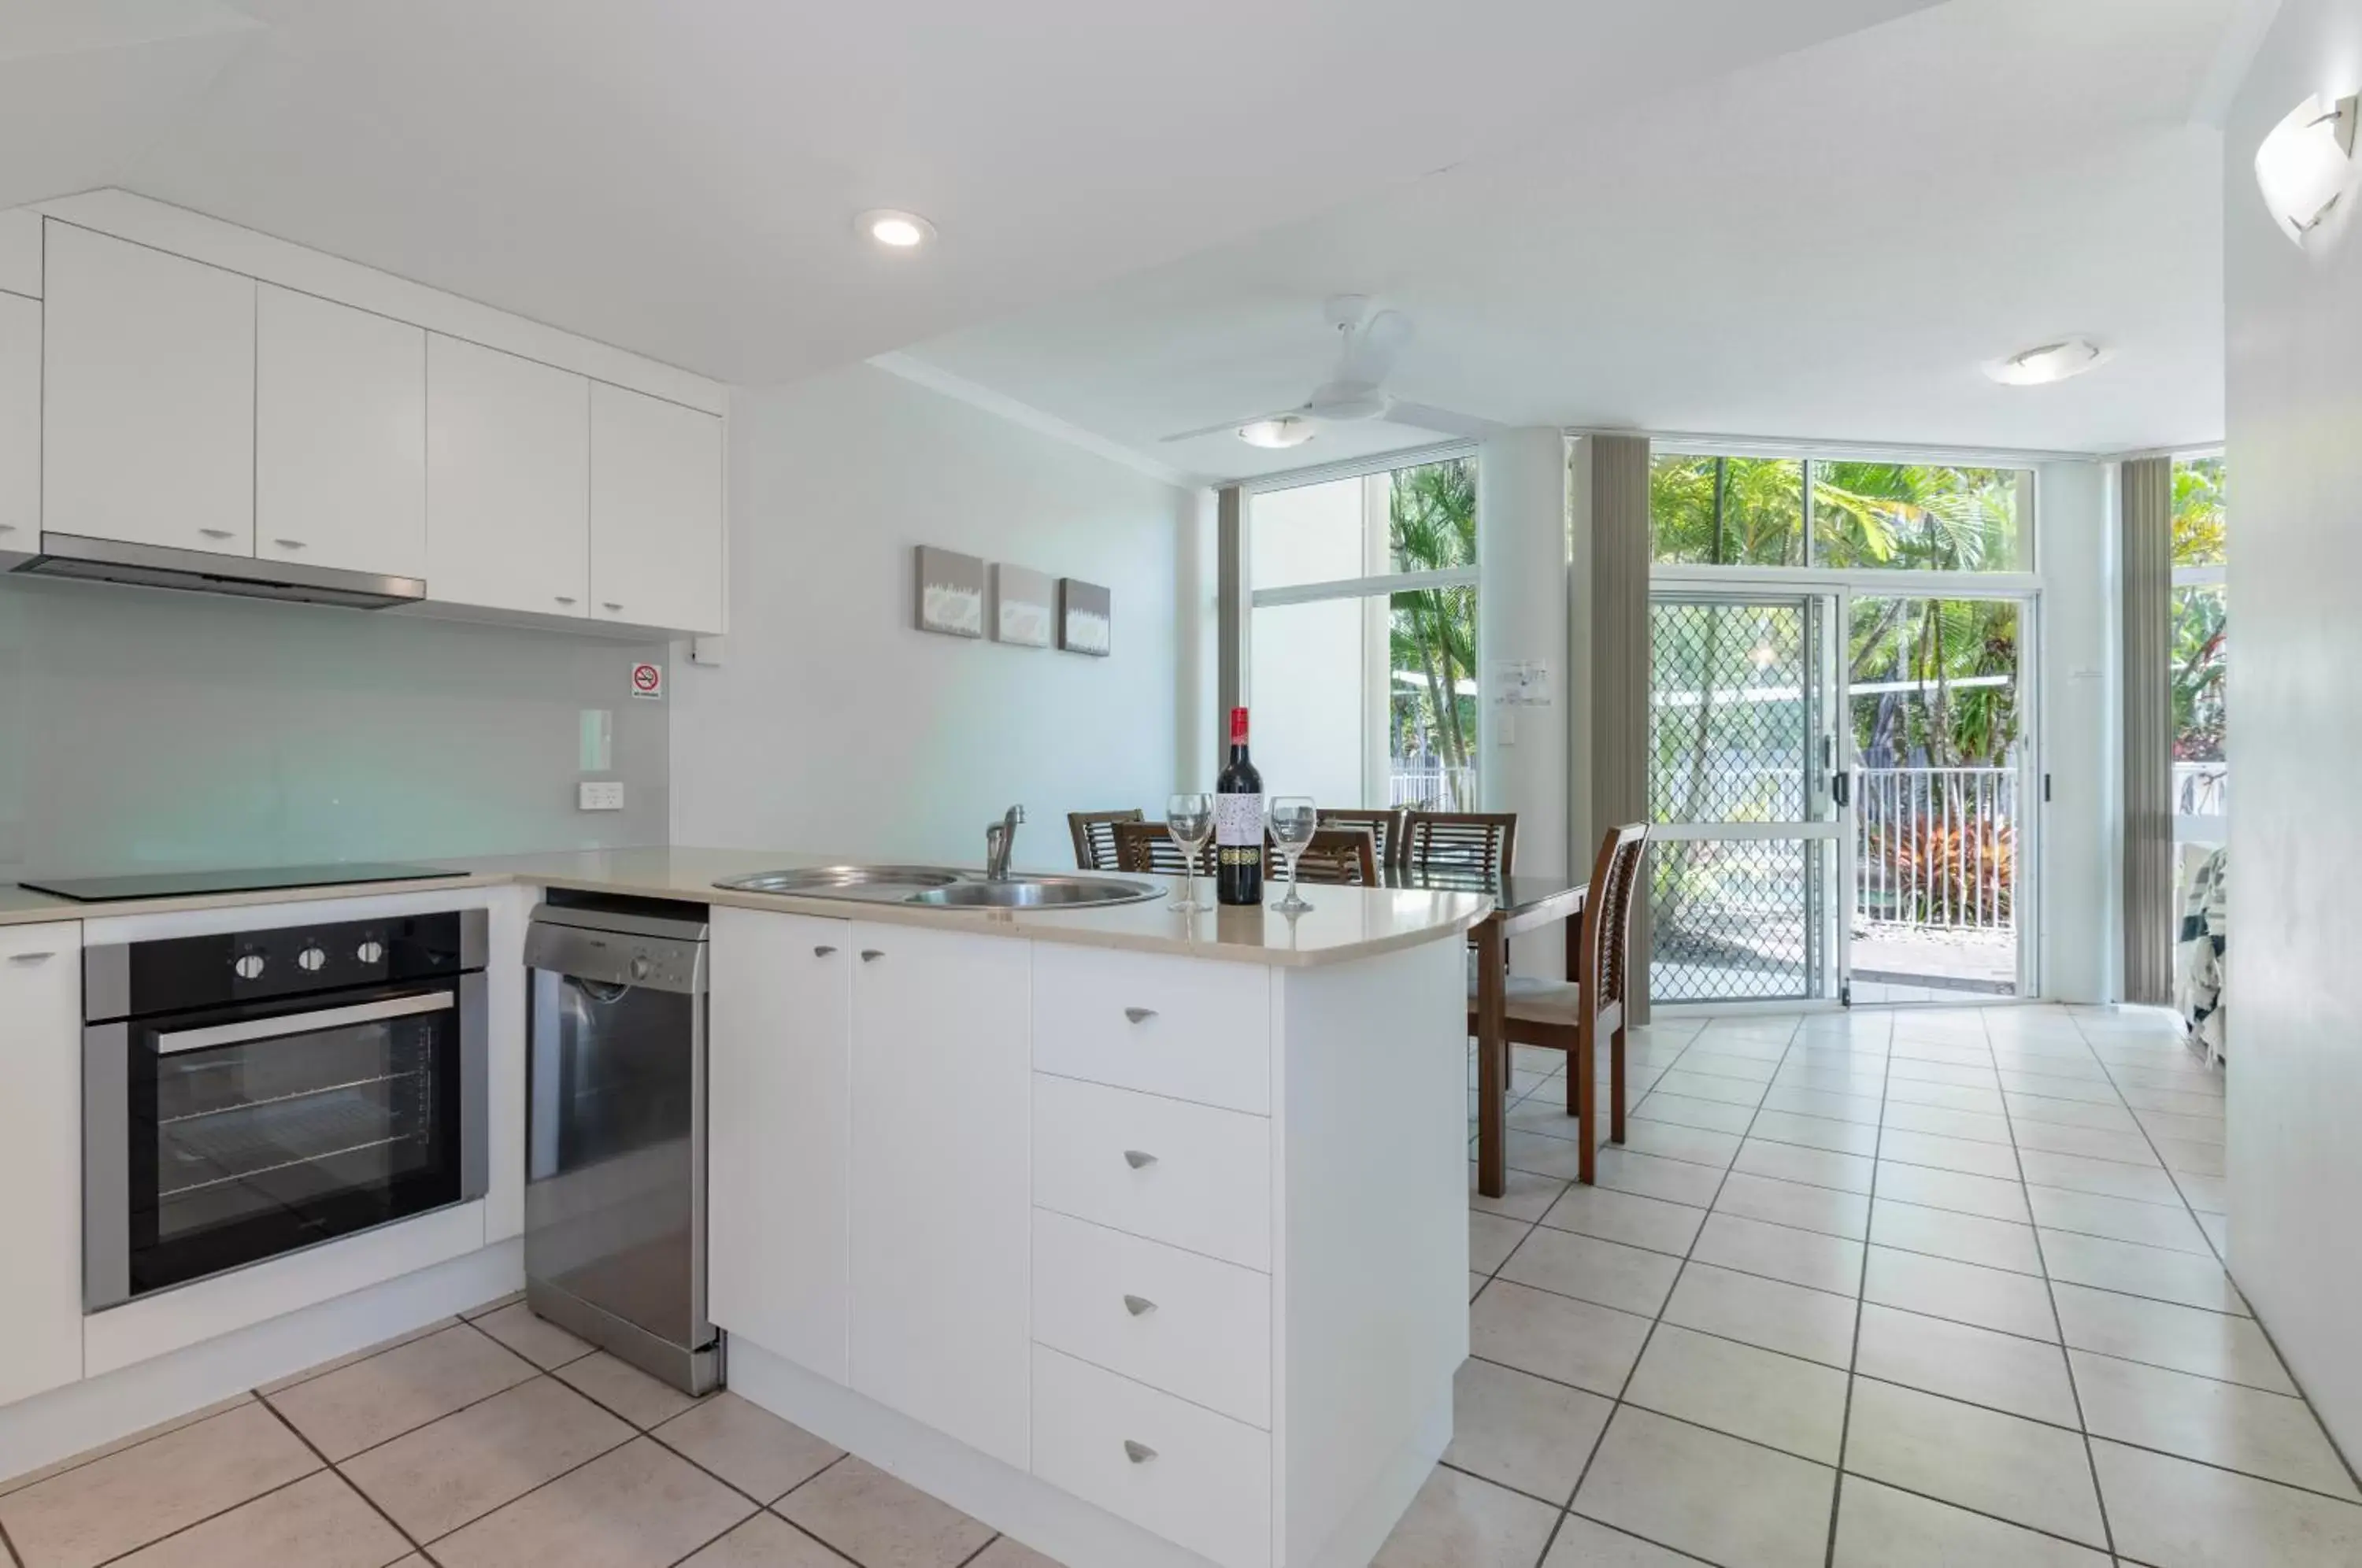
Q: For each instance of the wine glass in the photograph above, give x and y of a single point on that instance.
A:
(1293, 822)
(1189, 818)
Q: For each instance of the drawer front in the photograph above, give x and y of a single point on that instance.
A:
(1187, 1175)
(1183, 1027)
(1195, 1479)
(1171, 1320)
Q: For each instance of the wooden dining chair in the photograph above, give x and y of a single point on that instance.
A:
(1570, 1016)
(1484, 841)
(1094, 837)
(1339, 855)
(1385, 827)
(1148, 846)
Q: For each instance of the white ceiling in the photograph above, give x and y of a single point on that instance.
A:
(680, 177)
(1821, 246)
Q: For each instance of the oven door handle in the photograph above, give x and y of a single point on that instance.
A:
(304, 1022)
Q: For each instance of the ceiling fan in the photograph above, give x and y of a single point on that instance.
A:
(1368, 341)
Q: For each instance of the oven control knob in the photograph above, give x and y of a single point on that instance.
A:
(641, 967)
(311, 960)
(370, 952)
(248, 966)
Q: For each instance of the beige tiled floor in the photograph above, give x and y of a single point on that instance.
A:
(1879, 1290)
(1868, 1291)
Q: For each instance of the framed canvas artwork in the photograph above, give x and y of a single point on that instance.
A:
(1024, 606)
(1085, 618)
(951, 592)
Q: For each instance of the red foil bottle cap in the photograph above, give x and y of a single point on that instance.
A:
(1238, 725)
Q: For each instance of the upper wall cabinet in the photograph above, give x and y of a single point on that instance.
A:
(655, 511)
(20, 423)
(339, 436)
(147, 396)
(508, 480)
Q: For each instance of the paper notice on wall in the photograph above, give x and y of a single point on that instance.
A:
(1521, 683)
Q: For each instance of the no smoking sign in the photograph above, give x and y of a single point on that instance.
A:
(647, 680)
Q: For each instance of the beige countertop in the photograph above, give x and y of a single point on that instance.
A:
(1344, 923)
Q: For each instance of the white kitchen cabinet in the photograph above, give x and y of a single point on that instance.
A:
(339, 436)
(147, 396)
(40, 1157)
(781, 1094)
(508, 481)
(20, 423)
(941, 1221)
(655, 511)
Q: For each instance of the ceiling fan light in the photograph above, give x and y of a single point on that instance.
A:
(1285, 430)
(895, 230)
(2048, 362)
(2306, 165)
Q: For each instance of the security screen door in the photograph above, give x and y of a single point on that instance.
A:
(1745, 795)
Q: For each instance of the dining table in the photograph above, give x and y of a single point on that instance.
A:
(1521, 903)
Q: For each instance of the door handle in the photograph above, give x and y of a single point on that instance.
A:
(1841, 787)
(1138, 1452)
(1140, 1014)
(871, 955)
(823, 951)
(1139, 1306)
(1139, 1159)
(41, 958)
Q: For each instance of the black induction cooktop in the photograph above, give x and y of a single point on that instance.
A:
(258, 879)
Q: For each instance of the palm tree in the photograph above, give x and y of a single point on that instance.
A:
(1431, 527)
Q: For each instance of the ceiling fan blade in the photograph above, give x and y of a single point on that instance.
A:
(1370, 349)
(1229, 424)
(1442, 420)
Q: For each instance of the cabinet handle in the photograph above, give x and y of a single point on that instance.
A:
(565, 599)
(217, 533)
(870, 955)
(823, 951)
(1139, 1159)
(7, 528)
(610, 604)
(290, 543)
(1140, 1014)
(1138, 1452)
(1139, 1306)
(30, 958)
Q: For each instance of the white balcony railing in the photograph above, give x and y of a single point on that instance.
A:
(1936, 847)
(1430, 783)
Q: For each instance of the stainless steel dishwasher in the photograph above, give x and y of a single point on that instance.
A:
(615, 1130)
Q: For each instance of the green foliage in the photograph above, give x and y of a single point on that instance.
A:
(1431, 527)
(2201, 671)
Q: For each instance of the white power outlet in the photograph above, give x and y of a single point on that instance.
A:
(601, 795)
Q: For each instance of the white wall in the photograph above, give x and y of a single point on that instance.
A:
(835, 726)
(2294, 1002)
(2080, 716)
(1521, 614)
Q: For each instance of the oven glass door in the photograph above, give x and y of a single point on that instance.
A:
(259, 1130)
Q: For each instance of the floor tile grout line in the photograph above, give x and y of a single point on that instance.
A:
(2074, 1384)
(1860, 1291)
(2225, 1263)
(280, 1417)
(9, 1547)
(217, 1513)
(172, 1426)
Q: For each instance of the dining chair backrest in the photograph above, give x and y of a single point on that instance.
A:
(1386, 828)
(1339, 855)
(1484, 841)
(1094, 837)
(1149, 846)
(1604, 945)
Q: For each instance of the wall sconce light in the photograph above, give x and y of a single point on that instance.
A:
(2306, 165)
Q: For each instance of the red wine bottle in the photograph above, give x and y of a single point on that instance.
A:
(1238, 823)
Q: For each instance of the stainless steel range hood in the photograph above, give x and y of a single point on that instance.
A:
(203, 572)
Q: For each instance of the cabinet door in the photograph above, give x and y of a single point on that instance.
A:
(147, 396)
(340, 435)
(942, 1221)
(20, 423)
(780, 1101)
(40, 1157)
(655, 511)
(508, 485)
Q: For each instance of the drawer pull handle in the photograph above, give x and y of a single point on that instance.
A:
(1139, 1306)
(290, 544)
(565, 598)
(1138, 1452)
(30, 958)
(1140, 1014)
(1138, 1159)
(217, 533)
(871, 955)
(823, 951)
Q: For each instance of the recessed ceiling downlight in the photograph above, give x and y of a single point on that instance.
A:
(895, 230)
(2047, 363)
(1284, 430)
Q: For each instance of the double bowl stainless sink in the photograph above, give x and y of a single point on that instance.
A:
(944, 887)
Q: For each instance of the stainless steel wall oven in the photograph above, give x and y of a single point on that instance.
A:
(248, 1094)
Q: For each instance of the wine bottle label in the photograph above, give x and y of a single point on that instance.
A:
(1237, 822)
